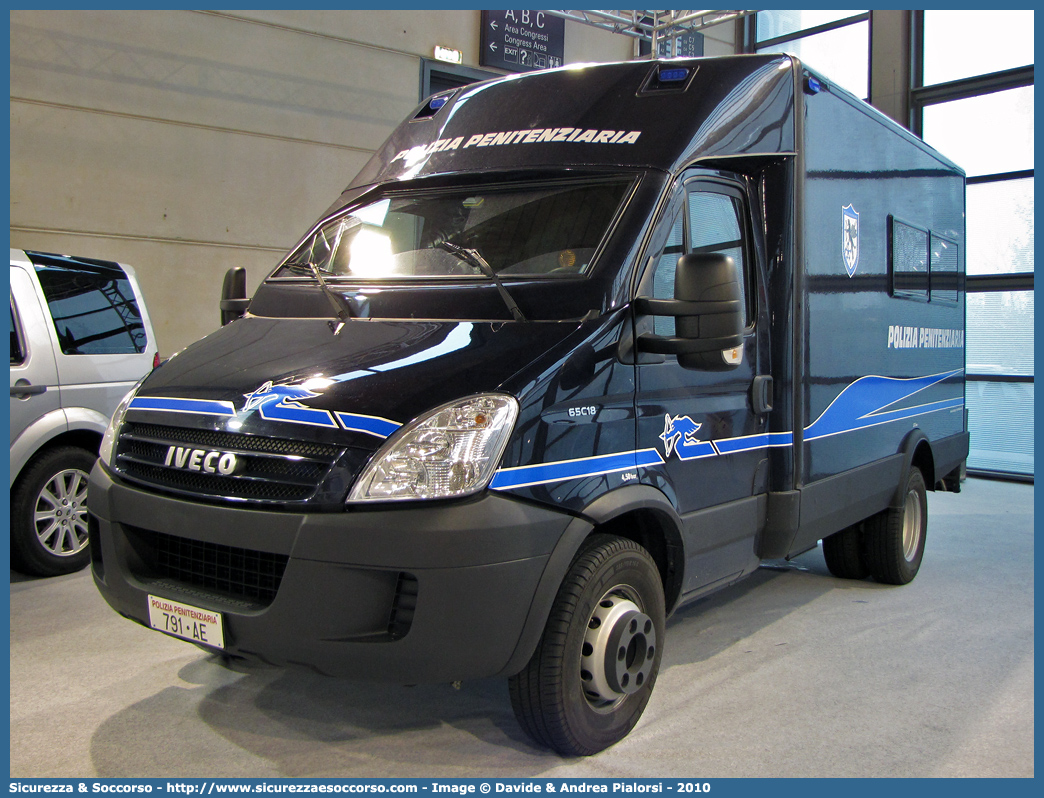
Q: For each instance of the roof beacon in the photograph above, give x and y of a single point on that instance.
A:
(673, 74)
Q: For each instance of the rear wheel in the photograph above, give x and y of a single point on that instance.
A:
(591, 676)
(49, 513)
(893, 539)
(843, 555)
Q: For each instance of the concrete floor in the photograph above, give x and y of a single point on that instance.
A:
(790, 673)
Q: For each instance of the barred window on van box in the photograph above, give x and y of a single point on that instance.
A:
(942, 271)
(908, 247)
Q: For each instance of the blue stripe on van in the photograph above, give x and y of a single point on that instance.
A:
(864, 403)
(541, 473)
(371, 425)
(205, 407)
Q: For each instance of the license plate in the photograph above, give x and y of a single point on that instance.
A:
(186, 621)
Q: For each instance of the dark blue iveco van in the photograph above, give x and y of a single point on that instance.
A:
(574, 349)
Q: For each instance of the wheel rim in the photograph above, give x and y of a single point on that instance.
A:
(618, 652)
(911, 525)
(60, 515)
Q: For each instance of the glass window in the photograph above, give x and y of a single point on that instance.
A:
(942, 270)
(93, 309)
(772, 24)
(909, 259)
(714, 226)
(663, 279)
(1000, 421)
(1000, 333)
(984, 135)
(841, 55)
(1000, 227)
(540, 231)
(961, 44)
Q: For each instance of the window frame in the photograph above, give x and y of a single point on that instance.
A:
(922, 96)
(19, 335)
(753, 45)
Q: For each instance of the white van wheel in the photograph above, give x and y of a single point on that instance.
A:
(49, 513)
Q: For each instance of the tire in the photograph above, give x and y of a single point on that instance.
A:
(49, 513)
(843, 553)
(893, 540)
(574, 696)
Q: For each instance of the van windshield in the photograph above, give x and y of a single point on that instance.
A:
(539, 231)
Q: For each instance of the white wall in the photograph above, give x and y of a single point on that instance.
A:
(187, 142)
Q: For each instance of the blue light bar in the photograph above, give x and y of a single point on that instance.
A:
(673, 74)
(813, 85)
(436, 103)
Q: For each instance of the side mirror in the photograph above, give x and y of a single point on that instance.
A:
(708, 308)
(234, 301)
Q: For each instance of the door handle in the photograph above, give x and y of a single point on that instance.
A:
(761, 394)
(23, 389)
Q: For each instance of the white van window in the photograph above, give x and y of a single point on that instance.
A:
(92, 307)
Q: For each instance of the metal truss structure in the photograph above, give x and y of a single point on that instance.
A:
(651, 26)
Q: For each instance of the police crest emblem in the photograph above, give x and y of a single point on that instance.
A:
(850, 238)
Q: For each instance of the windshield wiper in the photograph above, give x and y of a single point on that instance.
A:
(340, 304)
(473, 257)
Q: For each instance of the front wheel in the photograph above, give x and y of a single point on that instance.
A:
(49, 513)
(893, 540)
(593, 671)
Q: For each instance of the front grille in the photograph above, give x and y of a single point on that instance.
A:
(266, 469)
(227, 571)
(211, 439)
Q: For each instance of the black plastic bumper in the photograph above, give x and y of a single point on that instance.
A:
(475, 568)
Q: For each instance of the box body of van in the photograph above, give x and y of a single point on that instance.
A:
(80, 339)
(574, 349)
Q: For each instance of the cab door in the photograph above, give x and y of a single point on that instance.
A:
(703, 423)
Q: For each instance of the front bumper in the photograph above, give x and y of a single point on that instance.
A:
(422, 593)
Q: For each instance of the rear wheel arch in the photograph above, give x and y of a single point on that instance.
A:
(917, 451)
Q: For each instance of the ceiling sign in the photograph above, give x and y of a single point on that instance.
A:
(521, 41)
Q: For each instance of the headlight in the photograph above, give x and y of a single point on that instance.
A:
(108, 444)
(450, 451)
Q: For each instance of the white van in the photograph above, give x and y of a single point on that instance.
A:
(80, 339)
